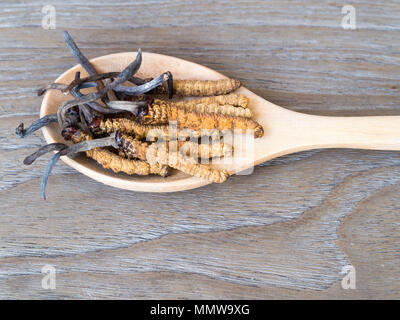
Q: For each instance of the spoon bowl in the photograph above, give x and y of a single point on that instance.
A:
(285, 131)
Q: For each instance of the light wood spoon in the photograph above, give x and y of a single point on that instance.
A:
(285, 131)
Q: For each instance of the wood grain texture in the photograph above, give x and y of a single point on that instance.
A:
(284, 232)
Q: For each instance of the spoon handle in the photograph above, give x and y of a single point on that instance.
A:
(372, 132)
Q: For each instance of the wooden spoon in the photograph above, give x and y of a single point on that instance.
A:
(285, 131)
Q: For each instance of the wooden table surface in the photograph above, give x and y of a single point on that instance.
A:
(286, 231)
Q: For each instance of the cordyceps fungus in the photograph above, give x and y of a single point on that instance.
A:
(64, 150)
(158, 153)
(74, 90)
(123, 76)
(110, 160)
(126, 129)
(165, 77)
(36, 125)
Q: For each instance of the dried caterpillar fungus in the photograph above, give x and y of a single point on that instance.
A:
(125, 129)
(225, 109)
(198, 88)
(204, 151)
(132, 147)
(116, 163)
(159, 153)
(161, 112)
(130, 127)
(233, 99)
(154, 132)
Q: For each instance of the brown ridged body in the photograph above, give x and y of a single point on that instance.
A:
(213, 107)
(188, 148)
(159, 153)
(225, 109)
(161, 112)
(205, 150)
(233, 99)
(116, 163)
(131, 127)
(198, 88)
(154, 132)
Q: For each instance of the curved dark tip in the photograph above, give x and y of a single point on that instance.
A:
(170, 83)
(27, 161)
(43, 150)
(66, 35)
(20, 131)
(137, 63)
(47, 171)
(41, 91)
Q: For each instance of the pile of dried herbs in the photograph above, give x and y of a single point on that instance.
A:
(127, 129)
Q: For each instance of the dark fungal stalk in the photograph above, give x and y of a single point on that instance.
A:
(43, 150)
(135, 108)
(47, 172)
(36, 125)
(64, 150)
(75, 92)
(114, 106)
(82, 114)
(87, 111)
(95, 77)
(61, 87)
(148, 86)
(93, 73)
(83, 124)
(141, 88)
(52, 86)
(137, 81)
(71, 150)
(130, 70)
(85, 63)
